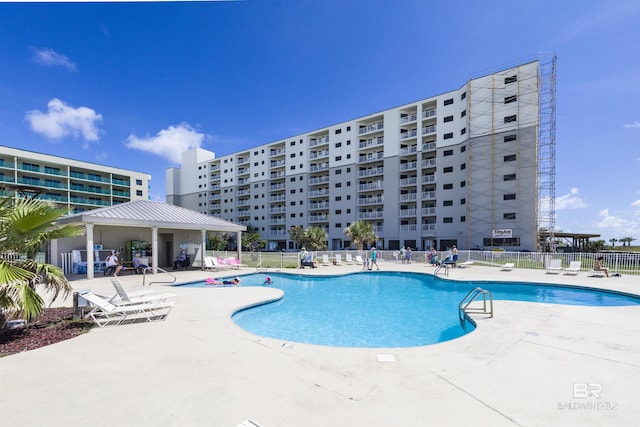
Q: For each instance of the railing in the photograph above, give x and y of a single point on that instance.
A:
(464, 306)
(150, 270)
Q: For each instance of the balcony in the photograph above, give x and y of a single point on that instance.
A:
(408, 181)
(240, 193)
(277, 163)
(371, 157)
(429, 146)
(408, 134)
(429, 130)
(368, 201)
(278, 198)
(214, 168)
(363, 173)
(429, 163)
(371, 215)
(428, 179)
(277, 187)
(371, 128)
(318, 193)
(319, 141)
(214, 197)
(408, 197)
(409, 150)
(408, 227)
(244, 212)
(428, 195)
(277, 210)
(318, 206)
(372, 142)
(277, 152)
(371, 186)
(215, 206)
(318, 154)
(243, 203)
(241, 161)
(277, 175)
(408, 212)
(277, 221)
(278, 233)
(408, 166)
(429, 228)
(243, 171)
(215, 177)
(428, 211)
(318, 218)
(320, 167)
(318, 180)
(426, 114)
(408, 118)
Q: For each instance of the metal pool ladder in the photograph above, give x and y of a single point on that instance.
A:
(463, 307)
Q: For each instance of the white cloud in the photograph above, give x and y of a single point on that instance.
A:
(168, 143)
(50, 57)
(635, 124)
(616, 226)
(62, 120)
(636, 204)
(570, 201)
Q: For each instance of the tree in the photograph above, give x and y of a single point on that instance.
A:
(218, 242)
(596, 246)
(251, 239)
(627, 240)
(315, 238)
(613, 242)
(297, 235)
(26, 225)
(361, 232)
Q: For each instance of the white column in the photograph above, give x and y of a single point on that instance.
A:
(90, 251)
(239, 239)
(203, 247)
(155, 248)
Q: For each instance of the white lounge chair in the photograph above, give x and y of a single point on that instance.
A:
(359, 260)
(574, 267)
(325, 260)
(105, 313)
(348, 259)
(554, 266)
(507, 267)
(338, 260)
(465, 264)
(124, 297)
(211, 264)
(596, 273)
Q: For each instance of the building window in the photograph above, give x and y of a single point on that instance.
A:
(448, 135)
(510, 177)
(338, 172)
(448, 169)
(448, 119)
(338, 144)
(338, 158)
(338, 184)
(447, 220)
(510, 119)
(447, 186)
(463, 96)
(510, 158)
(338, 131)
(338, 198)
(509, 215)
(509, 138)
(463, 201)
(447, 153)
(463, 148)
(510, 99)
(447, 203)
(138, 181)
(338, 225)
(510, 79)
(510, 196)
(463, 184)
(338, 211)
(463, 114)
(463, 131)
(463, 218)
(463, 166)
(448, 101)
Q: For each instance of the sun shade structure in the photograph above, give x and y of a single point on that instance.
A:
(157, 217)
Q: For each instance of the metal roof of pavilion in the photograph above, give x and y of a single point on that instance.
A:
(145, 213)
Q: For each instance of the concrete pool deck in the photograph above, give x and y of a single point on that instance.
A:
(532, 364)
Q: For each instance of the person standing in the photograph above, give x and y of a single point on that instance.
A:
(374, 258)
(454, 251)
(403, 254)
(408, 254)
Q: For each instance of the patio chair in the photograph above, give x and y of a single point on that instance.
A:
(338, 260)
(211, 264)
(359, 260)
(465, 264)
(124, 297)
(348, 259)
(554, 266)
(507, 267)
(325, 260)
(574, 267)
(105, 313)
(235, 263)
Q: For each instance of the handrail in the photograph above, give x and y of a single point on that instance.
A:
(259, 267)
(144, 275)
(463, 307)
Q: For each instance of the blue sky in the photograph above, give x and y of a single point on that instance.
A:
(133, 85)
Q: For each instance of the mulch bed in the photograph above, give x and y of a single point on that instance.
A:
(53, 325)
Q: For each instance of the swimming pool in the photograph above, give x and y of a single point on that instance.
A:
(387, 309)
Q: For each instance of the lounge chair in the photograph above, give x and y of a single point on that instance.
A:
(235, 263)
(338, 260)
(596, 273)
(574, 267)
(465, 264)
(106, 313)
(124, 297)
(507, 267)
(554, 266)
(223, 263)
(325, 260)
(211, 264)
(348, 259)
(359, 260)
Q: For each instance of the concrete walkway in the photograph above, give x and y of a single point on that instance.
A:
(532, 364)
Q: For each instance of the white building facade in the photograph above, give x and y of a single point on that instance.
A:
(79, 186)
(458, 168)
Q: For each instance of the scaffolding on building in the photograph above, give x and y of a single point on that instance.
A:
(546, 215)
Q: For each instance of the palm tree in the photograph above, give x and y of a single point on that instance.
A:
(361, 232)
(627, 240)
(297, 235)
(316, 238)
(26, 225)
(613, 242)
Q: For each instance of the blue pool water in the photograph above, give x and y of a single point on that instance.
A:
(387, 309)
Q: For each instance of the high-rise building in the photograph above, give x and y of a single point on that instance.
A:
(472, 167)
(78, 186)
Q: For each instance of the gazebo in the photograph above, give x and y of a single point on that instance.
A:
(167, 226)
